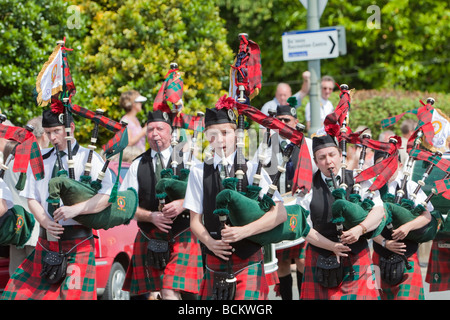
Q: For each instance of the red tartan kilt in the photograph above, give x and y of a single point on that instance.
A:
(438, 271)
(411, 287)
(183, 272)
(251, 280)
(294, 252)
(360, 286)
(272, 278)
(79, 284)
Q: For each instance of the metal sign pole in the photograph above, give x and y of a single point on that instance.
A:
(314, 68)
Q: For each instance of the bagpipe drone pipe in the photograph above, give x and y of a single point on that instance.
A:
(70, 191)
(16, 224)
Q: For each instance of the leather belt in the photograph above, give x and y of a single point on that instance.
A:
(70, 233)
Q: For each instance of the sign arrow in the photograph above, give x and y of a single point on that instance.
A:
(334, 44)
(310, 45)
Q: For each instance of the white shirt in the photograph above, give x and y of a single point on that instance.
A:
(38, 190)
(326, 107)
(194, 192)
(273, 104)
(276, 149)
(6, 194)
(305, 200)
(410, 187)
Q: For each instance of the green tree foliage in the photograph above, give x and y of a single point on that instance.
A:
(132, 43)
(29, 30)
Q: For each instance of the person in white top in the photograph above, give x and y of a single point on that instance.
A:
(6, 198)
(18, 254)
(168, 226)
(392, 243)
(60, 235)
(326, 107)
(284, 92)
(231, 243)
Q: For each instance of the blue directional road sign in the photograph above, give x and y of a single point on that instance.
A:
(310, 45)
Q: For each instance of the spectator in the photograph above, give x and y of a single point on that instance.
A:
(284, 92)
(326, 107)
(407, 128)
(131, 101)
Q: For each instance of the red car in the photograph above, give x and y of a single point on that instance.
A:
(113, 251)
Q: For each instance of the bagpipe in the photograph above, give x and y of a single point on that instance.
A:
(173, 180)
(64, 187)
(16, 224)
(242, 208)
(350, 208)
(403, 209)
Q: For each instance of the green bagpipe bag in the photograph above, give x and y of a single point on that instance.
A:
(172, 186)
(353, 211)
(71, 192)
(406, 212)
(16, 226)
(243, 209)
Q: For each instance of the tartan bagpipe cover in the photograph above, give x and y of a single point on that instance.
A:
(243, 208)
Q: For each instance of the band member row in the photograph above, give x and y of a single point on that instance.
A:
(229, 244)
(348, 276)
(167, 255)
(59, 233)
(390, 245)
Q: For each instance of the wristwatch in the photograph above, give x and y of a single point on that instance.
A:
(383, 243)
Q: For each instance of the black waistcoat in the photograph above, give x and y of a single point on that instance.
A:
(147, 189)
(321, 216)
(275, 141)
(212, 185)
